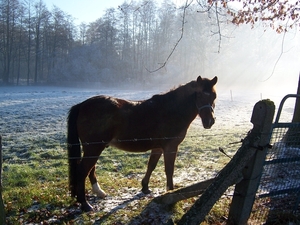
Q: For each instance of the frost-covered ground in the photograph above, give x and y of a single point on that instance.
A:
(32, 114)
(42, 110)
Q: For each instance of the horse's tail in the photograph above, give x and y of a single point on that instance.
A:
(74, 152)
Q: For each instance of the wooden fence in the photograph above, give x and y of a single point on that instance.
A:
(243, 170)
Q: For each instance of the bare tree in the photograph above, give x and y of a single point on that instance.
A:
(28, 22)
(20, 43)
(41, 17)
(82, 33)
(9, 12)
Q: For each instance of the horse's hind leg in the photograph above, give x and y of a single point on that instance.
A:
(154, 157)
(95, 185)
(87, 164)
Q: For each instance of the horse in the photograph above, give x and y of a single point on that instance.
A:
(158, 124)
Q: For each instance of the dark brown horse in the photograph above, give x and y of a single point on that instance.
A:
(159, 123)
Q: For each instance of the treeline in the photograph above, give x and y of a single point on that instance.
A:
(38, 45)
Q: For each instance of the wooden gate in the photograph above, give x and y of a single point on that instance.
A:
(278, 186)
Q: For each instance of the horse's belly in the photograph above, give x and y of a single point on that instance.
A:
(133, 145)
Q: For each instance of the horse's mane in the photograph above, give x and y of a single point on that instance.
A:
(181, 91)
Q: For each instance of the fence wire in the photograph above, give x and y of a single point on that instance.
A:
(278, 197)
(57, 145)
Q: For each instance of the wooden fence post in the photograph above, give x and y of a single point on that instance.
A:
(233, 172)
(245, 191)
(2, 212)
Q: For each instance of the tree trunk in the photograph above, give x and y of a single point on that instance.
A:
(7, 46)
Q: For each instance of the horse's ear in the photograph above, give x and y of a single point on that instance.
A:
(199, 79)
(214, 80)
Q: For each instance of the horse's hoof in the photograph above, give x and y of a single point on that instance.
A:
(98, 191)
(146, 192)
(101, 195)
(86, 207)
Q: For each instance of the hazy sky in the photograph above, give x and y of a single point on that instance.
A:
(84, 10)
(88, 10)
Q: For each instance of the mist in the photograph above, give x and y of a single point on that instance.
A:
(151, 47)
(251, 61)
(261, 61)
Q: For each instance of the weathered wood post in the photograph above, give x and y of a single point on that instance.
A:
(234, 171)
(245, 191)
(2, 212)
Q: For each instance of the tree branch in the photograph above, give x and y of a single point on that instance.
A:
(187, 4)
(279, 57)
(219, 28)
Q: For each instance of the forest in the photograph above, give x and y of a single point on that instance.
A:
(129, 43)
(141, 42)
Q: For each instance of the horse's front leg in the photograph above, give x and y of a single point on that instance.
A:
(169, 159)
(95, 185)
(154, 157)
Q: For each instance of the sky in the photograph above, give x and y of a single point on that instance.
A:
(84, 10)
(87, 10)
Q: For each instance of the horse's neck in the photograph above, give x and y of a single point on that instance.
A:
(185, 90)
(184, 102)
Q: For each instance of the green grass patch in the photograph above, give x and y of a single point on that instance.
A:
(35, 180)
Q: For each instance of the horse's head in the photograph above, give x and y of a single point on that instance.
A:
(205, 97)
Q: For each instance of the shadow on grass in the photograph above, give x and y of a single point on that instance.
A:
(153, 212)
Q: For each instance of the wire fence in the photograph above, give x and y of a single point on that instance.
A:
(278, 196)
(35, 142)
(191, 158)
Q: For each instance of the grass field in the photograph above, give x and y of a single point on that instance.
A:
(35, 170)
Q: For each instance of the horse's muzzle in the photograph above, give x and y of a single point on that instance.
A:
(207, 124)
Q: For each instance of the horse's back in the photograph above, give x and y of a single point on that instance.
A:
(98, 118)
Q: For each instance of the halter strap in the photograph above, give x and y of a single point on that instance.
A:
(205, 106)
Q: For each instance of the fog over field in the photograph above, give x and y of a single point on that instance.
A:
(42, 110)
